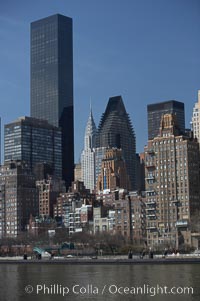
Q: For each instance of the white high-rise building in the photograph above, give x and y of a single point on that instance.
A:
(195, 123)
(88, 154)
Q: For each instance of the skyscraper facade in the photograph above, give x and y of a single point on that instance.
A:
(78, 172)
(49, 190)
(99, 155)
(115, 130)
(155, 112)
(52, 81)
(113, 171)
(18, 198)
(195, 123)
(172, 185)
(33, 141)
(88, 154)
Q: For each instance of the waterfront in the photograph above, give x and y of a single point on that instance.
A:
(91, 280)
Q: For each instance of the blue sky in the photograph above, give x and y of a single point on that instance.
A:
(145, 50)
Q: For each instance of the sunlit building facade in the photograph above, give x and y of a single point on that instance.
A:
(172, 185)
(88, 154)
(195, 123)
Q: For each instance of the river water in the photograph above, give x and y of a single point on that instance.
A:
(99, 282)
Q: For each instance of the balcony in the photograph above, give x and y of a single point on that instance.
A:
(148, 178)
(150, 192)
(150, 203)
(182, 224)
(175, 202)
(151, 151)
(150, 164)
(151, 215)
(150, 209)
(152, 229)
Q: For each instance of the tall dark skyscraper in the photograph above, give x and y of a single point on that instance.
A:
(52, 81)
(115, 130)
(155, 112)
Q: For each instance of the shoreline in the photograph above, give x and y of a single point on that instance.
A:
(105, 261)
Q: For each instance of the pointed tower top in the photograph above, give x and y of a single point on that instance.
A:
(90, 131)
(90, 103)
(91, 107)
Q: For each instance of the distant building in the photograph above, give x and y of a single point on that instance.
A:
(80, 218)
(107, 196)
(34, 141)
(123, 214)
(123, 219)
(67, 203)
(113, 171)
(40, 225)
(88, 154)
(49, 189)
(18, 198)
(99, 155)
(138, 216)
(52, 81)
(195, 123)
(42, 171)
(76, 216)
(140, 172)
(115, 130)
(100, 219)
(157, 110)
(172, 185)
(77, 172)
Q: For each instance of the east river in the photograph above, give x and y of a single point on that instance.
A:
(19, 282)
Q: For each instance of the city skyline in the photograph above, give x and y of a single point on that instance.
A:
(151, 55)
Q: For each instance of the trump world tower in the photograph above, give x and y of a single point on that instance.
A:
(52, 81)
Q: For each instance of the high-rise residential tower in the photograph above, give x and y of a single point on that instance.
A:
(49, 190)
(195, 123)
(88, 154)
(115, 130)
(18, 198)
(52, 81)
(155, 112)
(172, 185)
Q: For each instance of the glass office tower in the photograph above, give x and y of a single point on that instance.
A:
(33, 141)
(157, 110)
(52, 81)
